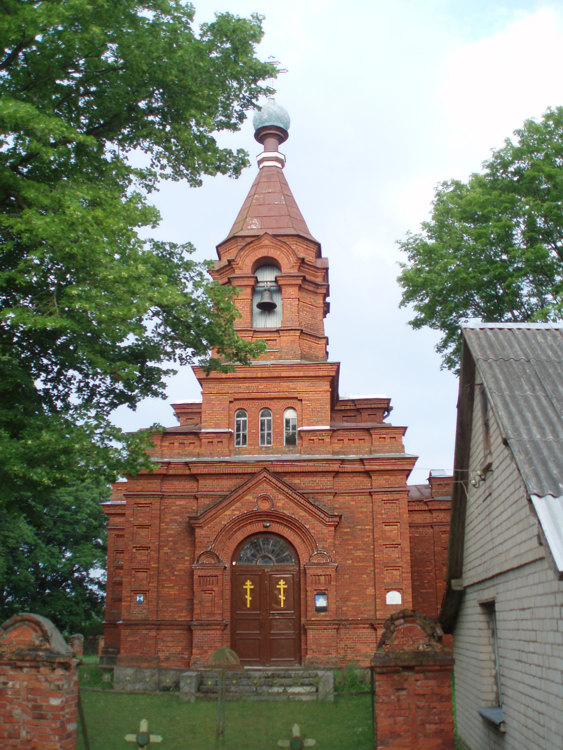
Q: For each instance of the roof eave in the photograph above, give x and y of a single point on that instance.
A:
(453, 595)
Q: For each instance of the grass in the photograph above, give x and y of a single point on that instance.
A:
(90, 659)
(351, 680)
(91, 675)
(346, 723)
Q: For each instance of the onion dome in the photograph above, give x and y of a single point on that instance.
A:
(271, 114)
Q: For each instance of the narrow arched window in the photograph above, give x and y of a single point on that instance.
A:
(265, 427)
(241, 428)
(290, 427)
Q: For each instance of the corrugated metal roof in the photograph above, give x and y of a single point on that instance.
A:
(522, 369)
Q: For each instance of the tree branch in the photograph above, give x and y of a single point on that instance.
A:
(9, 59)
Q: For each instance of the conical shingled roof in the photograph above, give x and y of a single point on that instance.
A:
(270, 207)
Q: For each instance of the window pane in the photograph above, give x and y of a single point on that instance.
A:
(290, 427)
(241, 428)
(265, 427)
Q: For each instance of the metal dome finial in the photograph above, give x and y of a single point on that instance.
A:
(271, 124)
(272, 115)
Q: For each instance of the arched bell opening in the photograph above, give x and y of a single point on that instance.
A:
(265, 596)
(267, 297)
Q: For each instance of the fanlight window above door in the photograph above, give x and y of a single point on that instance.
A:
(266, 549)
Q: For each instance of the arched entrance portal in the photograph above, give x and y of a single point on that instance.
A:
(265, 602)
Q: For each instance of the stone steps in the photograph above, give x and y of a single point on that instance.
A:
(260, 684)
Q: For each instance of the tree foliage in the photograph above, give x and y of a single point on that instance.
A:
(99, 100)
(493, 248)
(52, 562)
(90, 311)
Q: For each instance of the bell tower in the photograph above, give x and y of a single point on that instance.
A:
(272, 258)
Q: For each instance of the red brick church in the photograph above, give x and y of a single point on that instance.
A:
(278, 520)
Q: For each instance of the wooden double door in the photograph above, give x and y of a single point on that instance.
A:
(265, 614)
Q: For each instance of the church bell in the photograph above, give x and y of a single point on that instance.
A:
(266, 301)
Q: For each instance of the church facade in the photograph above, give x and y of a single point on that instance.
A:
(278, 520)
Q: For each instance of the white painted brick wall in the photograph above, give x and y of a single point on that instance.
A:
(504, 561)
(530, 657)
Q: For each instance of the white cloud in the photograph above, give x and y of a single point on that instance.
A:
(386, 100)
(495, 83)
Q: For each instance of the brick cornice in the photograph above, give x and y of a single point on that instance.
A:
(295, 370)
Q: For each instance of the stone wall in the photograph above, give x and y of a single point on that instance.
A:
(38, 686)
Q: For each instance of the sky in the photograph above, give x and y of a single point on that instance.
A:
(386, 99)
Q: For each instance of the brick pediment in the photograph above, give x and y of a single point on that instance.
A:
(265, 492)
(265, 502)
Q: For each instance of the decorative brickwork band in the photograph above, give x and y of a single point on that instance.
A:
(412, 681)
(38, 686)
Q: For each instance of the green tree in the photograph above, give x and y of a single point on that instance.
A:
(54, 560)
(99, 100)
(493, 248)
(90, 311)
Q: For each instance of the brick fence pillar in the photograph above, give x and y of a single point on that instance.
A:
(77, 644)
(38, 686)
(412, 680)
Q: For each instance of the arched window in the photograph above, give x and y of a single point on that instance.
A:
(267, 298)
(241, 428)
(266, 549)
(265, 426)
(290, 427)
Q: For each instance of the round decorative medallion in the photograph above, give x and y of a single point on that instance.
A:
(264, 502)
